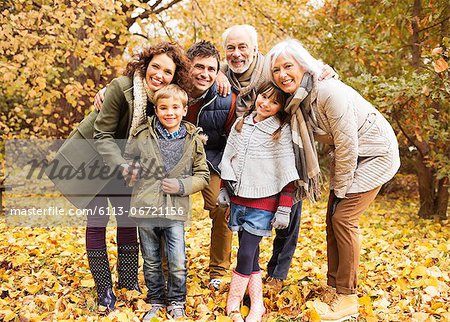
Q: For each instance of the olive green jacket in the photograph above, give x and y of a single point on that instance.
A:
(79, 154)
(148, 199)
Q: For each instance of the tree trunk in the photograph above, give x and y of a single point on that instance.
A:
(442, 198)
(426, 188)
(415, 41)
(433, 193)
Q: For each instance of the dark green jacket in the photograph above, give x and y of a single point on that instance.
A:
(79, 154)
(148, 200)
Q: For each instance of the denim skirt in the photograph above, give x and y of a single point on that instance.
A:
(255, 221)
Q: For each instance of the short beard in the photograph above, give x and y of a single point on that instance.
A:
(244, 68)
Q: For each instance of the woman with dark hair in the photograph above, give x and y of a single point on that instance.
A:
(127, 103)
(365, 156)
(258, 175)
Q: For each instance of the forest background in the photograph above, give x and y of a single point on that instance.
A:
(55, 55)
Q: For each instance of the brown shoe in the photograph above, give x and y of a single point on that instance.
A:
(273, 284)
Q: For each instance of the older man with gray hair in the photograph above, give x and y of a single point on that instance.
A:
(244, 71)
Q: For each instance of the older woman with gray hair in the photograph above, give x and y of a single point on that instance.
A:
(365, 156)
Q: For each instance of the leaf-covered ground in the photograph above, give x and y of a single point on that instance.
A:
(404, 272)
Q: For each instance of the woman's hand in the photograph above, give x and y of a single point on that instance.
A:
(223, 85)
(131, 173)
(99, 98)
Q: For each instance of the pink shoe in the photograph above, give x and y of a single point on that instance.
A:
(238, 286)
(255, 291)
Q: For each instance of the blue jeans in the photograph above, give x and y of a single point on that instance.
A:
(151, 235)
(284, 245)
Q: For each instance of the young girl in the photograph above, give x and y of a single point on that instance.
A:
(258, 170)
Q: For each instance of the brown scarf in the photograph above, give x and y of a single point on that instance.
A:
(247, 84)
(303, 140)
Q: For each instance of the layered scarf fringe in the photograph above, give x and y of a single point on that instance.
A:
(302, 120)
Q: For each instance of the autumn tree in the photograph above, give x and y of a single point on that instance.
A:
(394, 52)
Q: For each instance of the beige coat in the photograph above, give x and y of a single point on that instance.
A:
(365, 146)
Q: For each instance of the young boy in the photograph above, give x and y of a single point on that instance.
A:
(172, 167)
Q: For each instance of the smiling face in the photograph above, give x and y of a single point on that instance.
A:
(160, 72)
(267, 105)
(287, 74)
(240, 51)
(170, 112)
(203, 74)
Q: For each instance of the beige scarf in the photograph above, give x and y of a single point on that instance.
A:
(141, 93)
(247, 84)
(303, 140)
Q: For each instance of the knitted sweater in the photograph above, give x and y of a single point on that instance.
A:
(257, 165)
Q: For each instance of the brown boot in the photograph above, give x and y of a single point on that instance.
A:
(274, 285)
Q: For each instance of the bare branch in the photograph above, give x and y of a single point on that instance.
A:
(169, 5)
(434, 25)
(140, 35)
(167, 31)
(152, 10)
(408, 138)
(153, 6)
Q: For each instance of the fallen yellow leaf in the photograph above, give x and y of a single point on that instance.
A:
(440, 65)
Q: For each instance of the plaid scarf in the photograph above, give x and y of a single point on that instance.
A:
(303, 141)
(247, 84)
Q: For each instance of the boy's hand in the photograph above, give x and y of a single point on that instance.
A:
(98, 99)
(170, 186)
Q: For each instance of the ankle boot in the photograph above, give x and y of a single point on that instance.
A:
(238, 286)
(99, 265)
(255, 290)
(127, 266)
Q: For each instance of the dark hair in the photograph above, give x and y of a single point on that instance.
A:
(280, 96)
(203, 49)
(174, 51)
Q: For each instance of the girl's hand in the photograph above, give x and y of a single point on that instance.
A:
(327, 73)
(281, 218)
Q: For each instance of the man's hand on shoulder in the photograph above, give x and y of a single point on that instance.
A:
(99, 98)
(223, 84)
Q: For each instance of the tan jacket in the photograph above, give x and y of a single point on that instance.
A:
(365, 146)
(192, 170)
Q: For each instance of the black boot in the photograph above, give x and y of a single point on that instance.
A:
(99, 265)
(127, 266)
